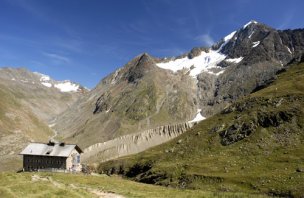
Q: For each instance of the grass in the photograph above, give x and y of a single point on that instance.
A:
(266, 161)
(78, 185)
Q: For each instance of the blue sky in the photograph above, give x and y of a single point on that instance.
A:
(85, 40)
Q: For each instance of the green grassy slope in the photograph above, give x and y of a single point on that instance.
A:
(253, 146)
(74, 185)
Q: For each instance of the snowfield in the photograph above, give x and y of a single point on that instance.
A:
(196, 65)
(205, 62)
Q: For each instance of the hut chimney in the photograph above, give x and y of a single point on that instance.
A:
(51, 143)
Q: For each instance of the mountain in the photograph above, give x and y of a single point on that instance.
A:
(255, 145)
(28, 103)
(44, 96)
(137, 97)
(149, 92)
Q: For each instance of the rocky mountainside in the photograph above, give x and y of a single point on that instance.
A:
(28, 103)
(254, 145)
(137, 97)
(149, 92)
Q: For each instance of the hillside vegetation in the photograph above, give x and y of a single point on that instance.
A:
(77, 185)
(254, 145)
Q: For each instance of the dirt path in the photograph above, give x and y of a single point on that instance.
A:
(96, 192)
(99, 193)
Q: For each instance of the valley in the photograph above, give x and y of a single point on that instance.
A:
(219, 121)
(27, 107)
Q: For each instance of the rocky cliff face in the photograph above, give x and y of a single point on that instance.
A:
(149, 92)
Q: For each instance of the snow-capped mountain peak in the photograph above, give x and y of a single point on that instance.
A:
(229, 36)
(206, 61)
(63, 86)
(250, 22)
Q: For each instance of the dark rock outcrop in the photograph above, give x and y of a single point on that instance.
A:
(265, 116)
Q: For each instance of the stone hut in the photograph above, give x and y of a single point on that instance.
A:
(51, 156)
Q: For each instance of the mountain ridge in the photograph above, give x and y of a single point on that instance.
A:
(44, 95)
(142, 94)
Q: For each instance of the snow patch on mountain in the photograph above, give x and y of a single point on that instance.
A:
(46, 84)
(229, 36)
(250, 22)
(63, 86)
(204, 62)
(255, 44)
(234, 60)
(44, 78)
(198, 117)
(227, 39)
(67, 86)
(251, 35)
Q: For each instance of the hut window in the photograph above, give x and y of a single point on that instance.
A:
(78, 159)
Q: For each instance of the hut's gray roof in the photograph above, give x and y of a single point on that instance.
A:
(60, 150)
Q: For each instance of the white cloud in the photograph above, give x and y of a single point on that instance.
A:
(57, 57)
(205, 39)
